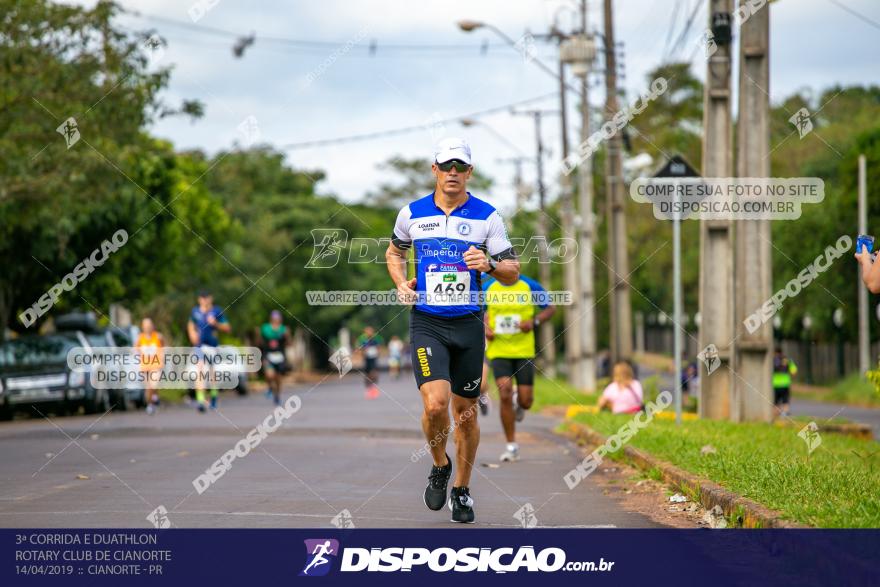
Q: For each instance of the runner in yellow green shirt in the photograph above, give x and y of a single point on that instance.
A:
(513, 312)
(783, 370)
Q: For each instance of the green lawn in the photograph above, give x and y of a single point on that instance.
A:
(852, 390)
(837, 486)
(855, 391)
(554, 392)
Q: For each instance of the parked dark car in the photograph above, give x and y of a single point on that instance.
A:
(83, 327)
(34, 374)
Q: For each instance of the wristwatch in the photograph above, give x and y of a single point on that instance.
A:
(536, 322)
(492, 266)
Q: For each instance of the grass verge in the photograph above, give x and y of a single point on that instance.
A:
(853, 390)
(557, 392)
(837, 486)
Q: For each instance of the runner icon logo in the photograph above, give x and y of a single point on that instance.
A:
(422, 353)
(320, 553)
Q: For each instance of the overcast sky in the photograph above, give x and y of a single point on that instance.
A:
(301, 94)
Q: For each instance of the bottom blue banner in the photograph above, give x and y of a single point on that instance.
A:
(396, 557)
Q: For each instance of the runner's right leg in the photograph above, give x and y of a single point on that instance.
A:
(430, 359)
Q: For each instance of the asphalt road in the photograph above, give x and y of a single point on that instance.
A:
(341, 456)
(824, 411)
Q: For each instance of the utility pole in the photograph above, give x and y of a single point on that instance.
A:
(618, 262)
(864, 329)
(585, 223)
(573, 313)
(522, 190)
(716, 295)
(545, 334)
(752, 398)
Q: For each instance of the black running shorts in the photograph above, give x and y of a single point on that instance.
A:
(450, 349)
(523, 370)
(781, 395)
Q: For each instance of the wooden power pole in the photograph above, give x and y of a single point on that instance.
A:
(618, 261)
(716, 295)
(752, 397)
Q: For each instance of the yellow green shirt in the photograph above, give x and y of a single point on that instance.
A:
(508, 306)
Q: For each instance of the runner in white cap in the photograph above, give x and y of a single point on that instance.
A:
(454, 236)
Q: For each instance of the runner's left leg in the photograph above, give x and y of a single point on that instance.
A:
(467, 437)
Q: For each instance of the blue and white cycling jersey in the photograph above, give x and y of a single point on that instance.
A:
(445, 285)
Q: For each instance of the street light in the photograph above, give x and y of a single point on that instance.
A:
(580, 340)
(472, 25)
(838, 318)
(469, 25)
(807, 323)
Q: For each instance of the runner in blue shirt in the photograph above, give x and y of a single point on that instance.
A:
(454, 237)
(204, 322)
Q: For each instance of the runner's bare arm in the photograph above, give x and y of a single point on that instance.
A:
(506, 270)
(395, 258)
(546, 313)
(870, 271)
(191, 331)
(542, 316)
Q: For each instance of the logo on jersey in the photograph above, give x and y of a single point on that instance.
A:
(464, 229)
(422, 354)
(320, 553)
(428, 225)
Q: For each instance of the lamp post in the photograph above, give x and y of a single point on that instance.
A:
(807, 323)
(838, 318)
(578, 51)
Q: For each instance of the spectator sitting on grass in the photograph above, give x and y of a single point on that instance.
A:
(624, 394)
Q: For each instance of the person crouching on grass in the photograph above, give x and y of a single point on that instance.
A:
(624, 394)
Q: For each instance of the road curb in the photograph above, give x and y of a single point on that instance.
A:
(854, 429)
(748, 513)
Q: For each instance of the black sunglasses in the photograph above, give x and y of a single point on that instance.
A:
(460, 166)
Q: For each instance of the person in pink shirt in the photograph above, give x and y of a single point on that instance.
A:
(624, 394)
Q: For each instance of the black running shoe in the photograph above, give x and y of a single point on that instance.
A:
(462, 505)
(438, 479)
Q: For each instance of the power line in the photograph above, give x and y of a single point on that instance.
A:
(179, 37)
(687, 28)
(671, 26)
(372, 48)
(408, 129)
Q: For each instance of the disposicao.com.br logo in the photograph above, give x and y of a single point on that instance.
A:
(320, 553)
(444, 559)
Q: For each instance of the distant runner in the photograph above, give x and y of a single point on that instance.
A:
(369, 342)
(204, 322)
(454, 237)
(395, 356)
(274, 338)
(149, 344)
(511, 319)
(783, 370)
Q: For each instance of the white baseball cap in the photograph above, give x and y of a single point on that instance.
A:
(452, 148)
